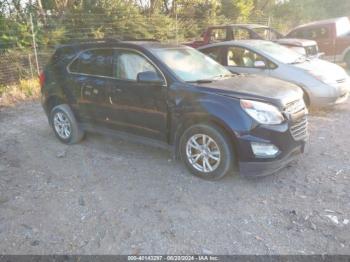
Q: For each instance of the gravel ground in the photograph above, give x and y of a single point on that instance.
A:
(109, 196)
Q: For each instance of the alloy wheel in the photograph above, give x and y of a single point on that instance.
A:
(203, 153)
(62, 125)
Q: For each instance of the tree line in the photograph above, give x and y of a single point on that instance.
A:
(59, 21)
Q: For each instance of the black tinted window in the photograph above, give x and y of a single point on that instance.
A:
(94, 62)
(297, 34)
(213, 53)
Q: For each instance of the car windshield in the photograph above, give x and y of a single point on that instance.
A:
(191, 65)
(280, 53)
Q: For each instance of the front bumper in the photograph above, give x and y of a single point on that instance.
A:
(290, 147)
(330, 101)
(342, 96)
(259, 169)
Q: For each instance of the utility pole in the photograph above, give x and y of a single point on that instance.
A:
(176, 25)
(34, 44)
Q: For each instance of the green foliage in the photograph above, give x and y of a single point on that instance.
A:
(61, 21)
(24, 89)
(239, 10)
(3, 89)
(13, 33)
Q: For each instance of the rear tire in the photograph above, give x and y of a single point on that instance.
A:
(64, 125)
(207, 151)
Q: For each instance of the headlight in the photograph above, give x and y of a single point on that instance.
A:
(321, 78)
(263, 113)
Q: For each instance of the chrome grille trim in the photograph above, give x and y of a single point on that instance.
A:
(298, 127)
(311, 50)
(295, 107)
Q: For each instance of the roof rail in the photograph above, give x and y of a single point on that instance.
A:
(79, 41)
(140, 39)
(91, 40)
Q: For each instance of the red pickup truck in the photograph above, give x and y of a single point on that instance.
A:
(222, 33)
(332, 37)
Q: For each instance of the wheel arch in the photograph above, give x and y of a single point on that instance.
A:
(306, 95)
(51, 102)
(203, 118)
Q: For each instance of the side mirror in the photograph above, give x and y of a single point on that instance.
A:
(149, 77)
(259, 64)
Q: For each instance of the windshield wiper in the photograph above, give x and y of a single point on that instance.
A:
(223, 76)
(201, 81)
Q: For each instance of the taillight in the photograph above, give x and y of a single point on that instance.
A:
(42, 79)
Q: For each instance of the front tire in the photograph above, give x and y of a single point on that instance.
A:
(207, 152)
(64, 125)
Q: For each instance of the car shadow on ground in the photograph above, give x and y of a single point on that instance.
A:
(130, 149)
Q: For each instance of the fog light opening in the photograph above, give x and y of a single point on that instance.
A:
(264, 150)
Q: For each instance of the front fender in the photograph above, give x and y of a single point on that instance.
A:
(222, 111)
(344, 54)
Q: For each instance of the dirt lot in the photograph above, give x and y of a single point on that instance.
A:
(109, 196)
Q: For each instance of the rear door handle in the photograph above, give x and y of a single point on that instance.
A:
(87, 90)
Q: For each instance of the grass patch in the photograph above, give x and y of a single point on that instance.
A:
(24, 90)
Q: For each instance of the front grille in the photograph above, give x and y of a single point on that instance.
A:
(295, 107)
(311, 50)
(298, 115)
(298, 129)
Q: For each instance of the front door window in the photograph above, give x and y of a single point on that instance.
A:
(241, 57)
(129, 64)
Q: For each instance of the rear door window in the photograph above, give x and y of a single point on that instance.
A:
(96, 62)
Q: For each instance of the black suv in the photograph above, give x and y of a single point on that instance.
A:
(174, 95)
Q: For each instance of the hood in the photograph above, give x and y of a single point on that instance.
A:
(296, 42)
(323, 69)
(256, 87)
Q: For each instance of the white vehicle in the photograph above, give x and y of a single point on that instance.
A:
(323, 83)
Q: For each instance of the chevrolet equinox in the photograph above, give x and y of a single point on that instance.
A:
(173, 95)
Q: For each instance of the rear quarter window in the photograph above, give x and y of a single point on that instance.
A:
(62, 55)
(97, 62)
